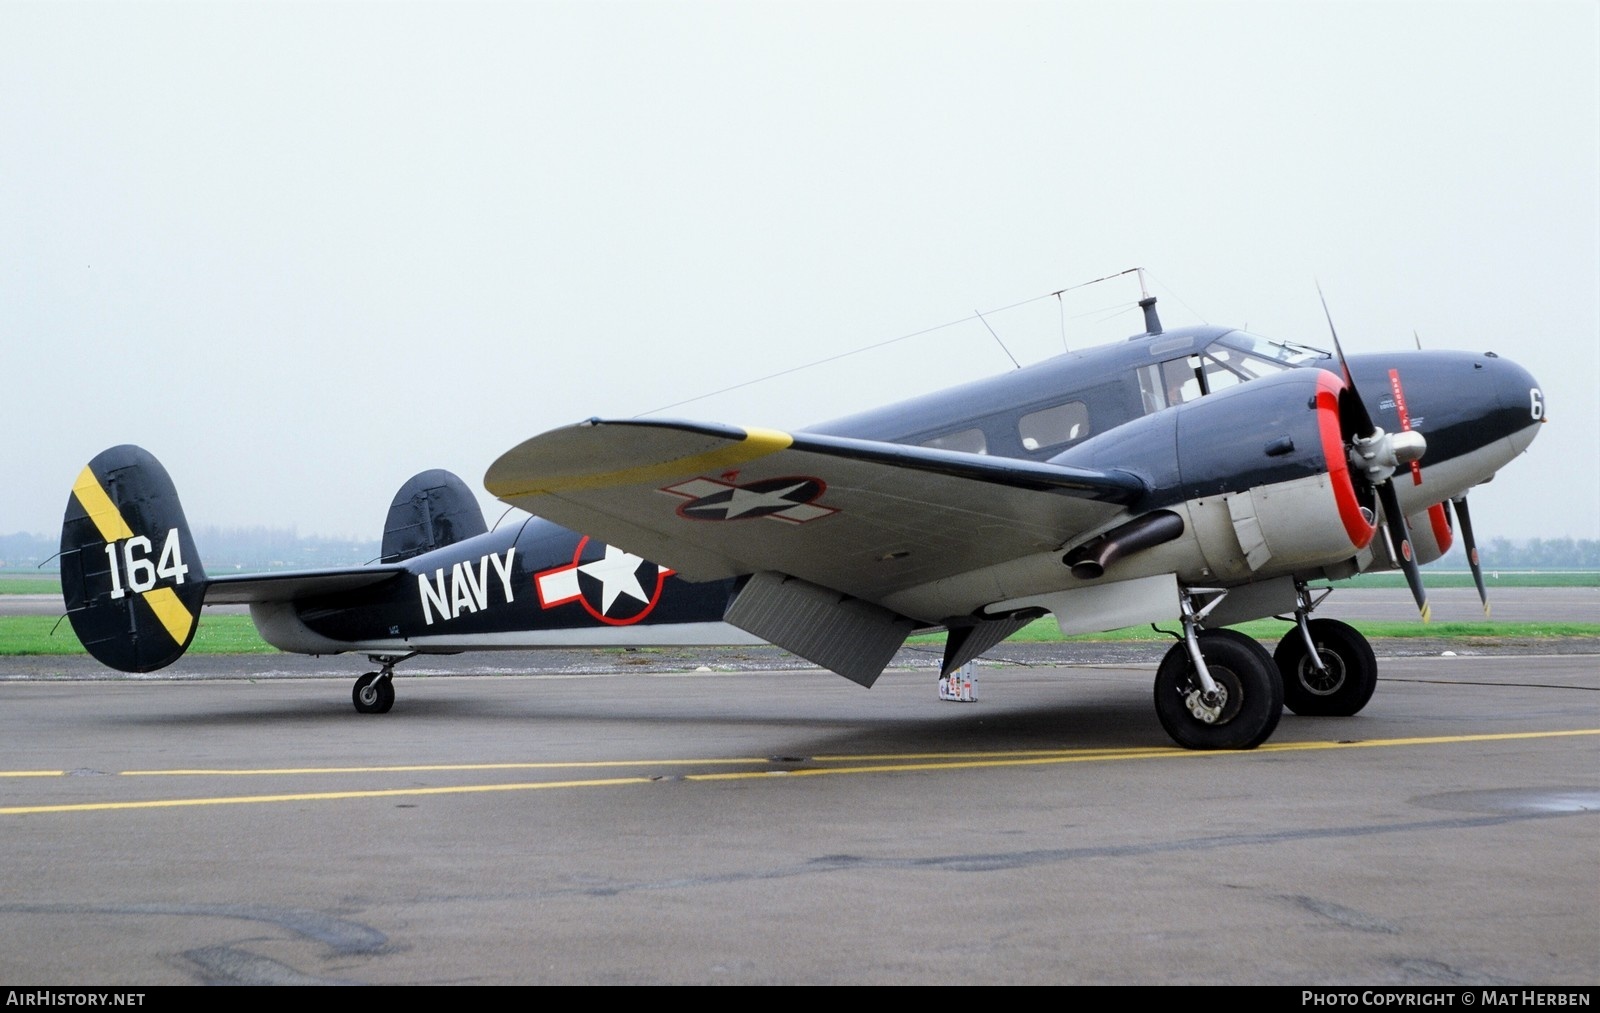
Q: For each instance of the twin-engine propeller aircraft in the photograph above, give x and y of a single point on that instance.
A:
(1203, 476)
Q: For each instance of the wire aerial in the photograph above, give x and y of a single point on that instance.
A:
(904, 337)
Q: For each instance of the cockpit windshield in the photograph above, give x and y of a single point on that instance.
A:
(1236, 357)
(1267, 355)
(1239, 357)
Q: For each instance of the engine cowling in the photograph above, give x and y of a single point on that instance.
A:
(1432, 534)
(1259, 470)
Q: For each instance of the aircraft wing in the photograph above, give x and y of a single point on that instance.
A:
(862, 517)
(292, 585)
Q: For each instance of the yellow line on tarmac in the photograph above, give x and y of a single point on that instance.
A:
(1098, 754)
(1041, 754)
(862, 764)
(1162, 752)
(1438, 740)
(408, 768)
(316, 796)
(439, 767)
(1021, 755)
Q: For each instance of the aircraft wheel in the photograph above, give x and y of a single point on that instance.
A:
(1351, 677)
(1250, 694)
(373, 694)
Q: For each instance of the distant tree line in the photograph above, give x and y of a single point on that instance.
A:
(221, 550)
(1530, 554)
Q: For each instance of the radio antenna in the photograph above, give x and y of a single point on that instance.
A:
(1002, 344)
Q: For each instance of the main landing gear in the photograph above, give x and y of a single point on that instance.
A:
(374, 692)
(1328, 667)
(1219, 689)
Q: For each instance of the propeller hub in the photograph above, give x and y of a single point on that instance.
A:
(1381, 454)
(1408, 446)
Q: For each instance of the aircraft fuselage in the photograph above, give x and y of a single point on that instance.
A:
(1182, 410)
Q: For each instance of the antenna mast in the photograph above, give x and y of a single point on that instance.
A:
(1147, 302)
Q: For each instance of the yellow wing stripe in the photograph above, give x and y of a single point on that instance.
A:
(104, 513)
(171, 611)
(756, 443)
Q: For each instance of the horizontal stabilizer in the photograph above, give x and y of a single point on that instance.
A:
(294, 585)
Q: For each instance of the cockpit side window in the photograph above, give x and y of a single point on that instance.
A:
(1225, 367)
(1051, 427)
(1164, 384)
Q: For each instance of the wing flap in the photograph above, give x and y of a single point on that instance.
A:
(854, 638)
(859, 516)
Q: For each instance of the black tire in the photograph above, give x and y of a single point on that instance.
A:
(1243, 671)
(1351, 677)
(373, 694)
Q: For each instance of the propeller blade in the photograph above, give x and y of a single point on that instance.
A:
(1378, 455)
(1400, 536)
(1358, 408)
(1471, 545)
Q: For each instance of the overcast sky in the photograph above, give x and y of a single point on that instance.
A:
(302, 251)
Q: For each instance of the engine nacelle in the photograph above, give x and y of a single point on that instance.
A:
(1259, 470)
(1432, 534)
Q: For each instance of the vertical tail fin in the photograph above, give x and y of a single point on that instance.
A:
(130, 575)
(433, 509)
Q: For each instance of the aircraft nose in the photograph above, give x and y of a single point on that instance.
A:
(1520, 397)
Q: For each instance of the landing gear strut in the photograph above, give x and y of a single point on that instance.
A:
(374, 692)
(1217, 689)
(1328, 667)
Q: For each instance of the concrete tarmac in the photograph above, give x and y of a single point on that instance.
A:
(240, 823)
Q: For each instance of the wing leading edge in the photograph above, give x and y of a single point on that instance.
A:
(860, 517)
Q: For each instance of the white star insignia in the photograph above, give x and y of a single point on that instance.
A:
(618, 574)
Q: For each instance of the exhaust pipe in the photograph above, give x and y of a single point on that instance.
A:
(1089, 560)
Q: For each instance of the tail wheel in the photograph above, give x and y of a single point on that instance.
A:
(1350, 670)
(1249, 700)
(373, 693)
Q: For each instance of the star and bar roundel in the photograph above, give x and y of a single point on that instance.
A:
(615, 587)
(792, 498)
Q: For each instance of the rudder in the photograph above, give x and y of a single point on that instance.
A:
(130, 575)
(432, 510)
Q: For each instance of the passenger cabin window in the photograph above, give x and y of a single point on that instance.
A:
(1052, 427)
(968, 441)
